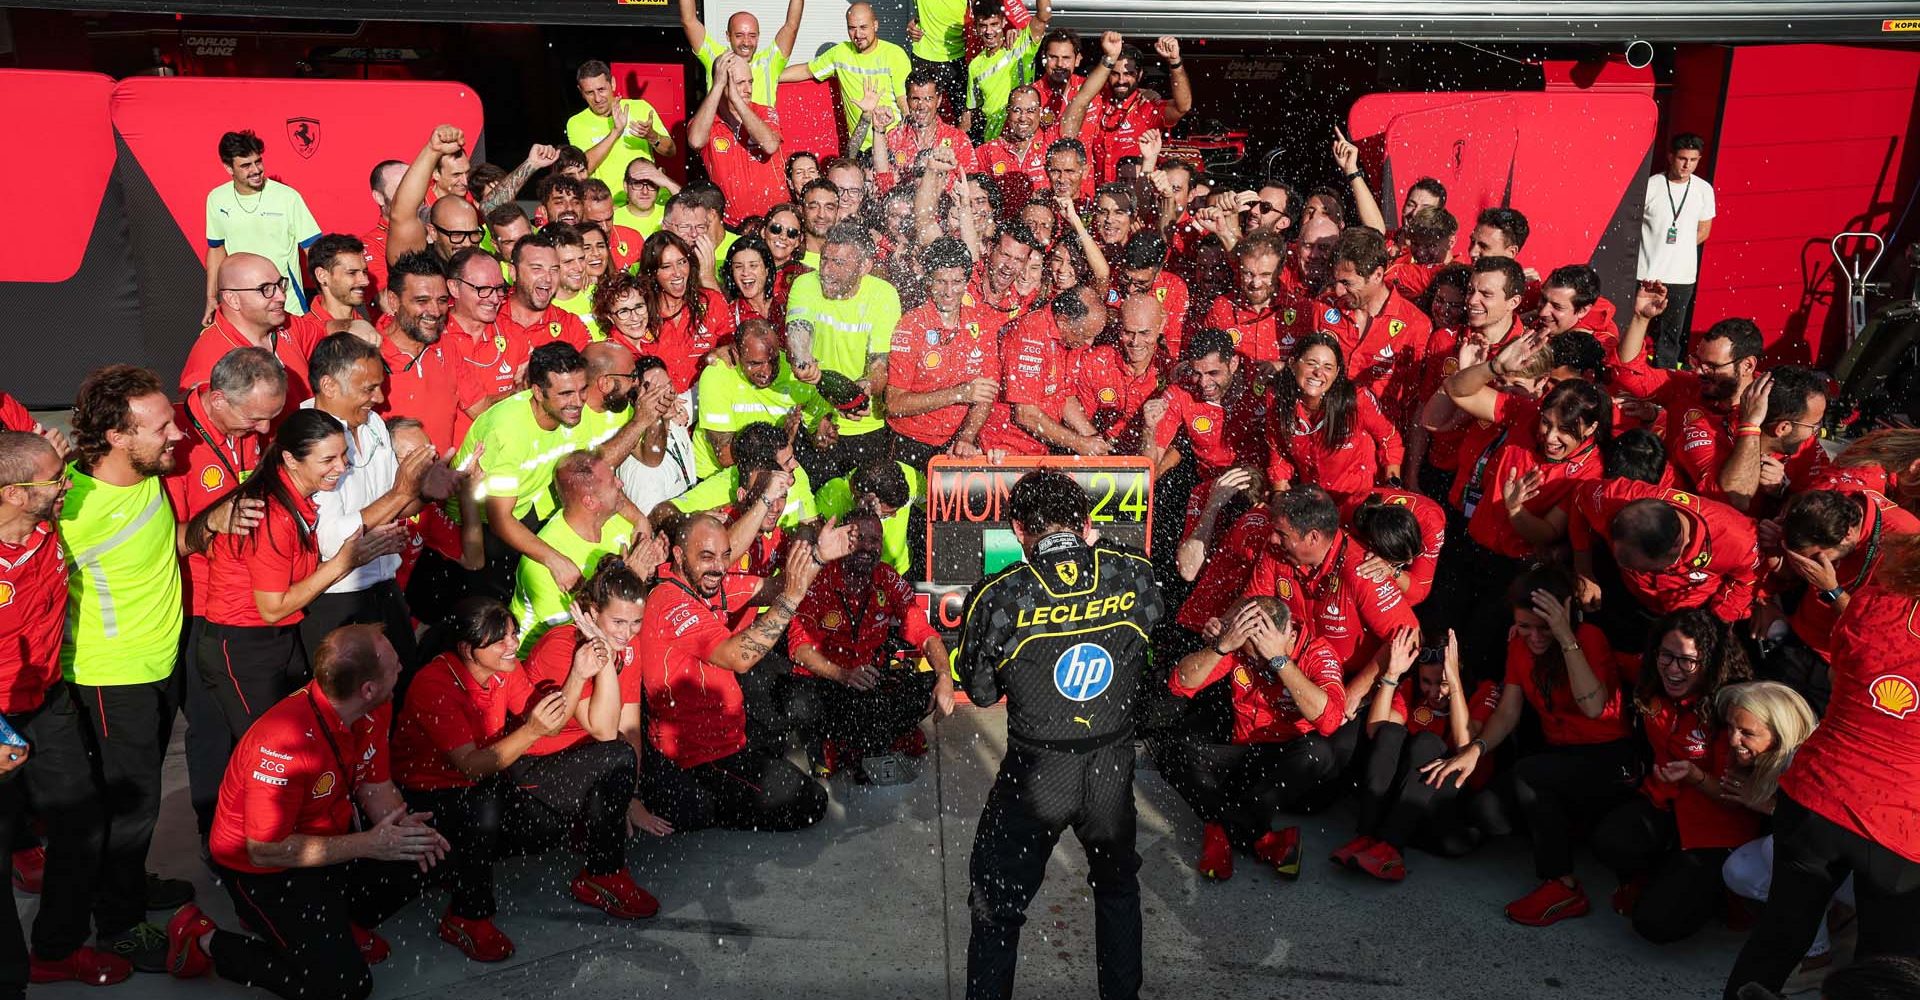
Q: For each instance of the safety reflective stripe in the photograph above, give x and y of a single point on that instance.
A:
(108, 624)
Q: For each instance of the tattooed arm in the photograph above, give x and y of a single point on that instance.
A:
(508, 188)
(781, 595)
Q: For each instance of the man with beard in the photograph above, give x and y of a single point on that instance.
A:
(1699, 400)
(530, 315)
(759, 389)
(1259, 323)
(819, 213)
(253, 313)
(643, 133)
(699, 634)
(523, 437)
(1786, 407)
(1115, 380)
(561, 198)
(345, 284)
(259, 215)
(53, 767)
(376, 492)
(422, 367)
(1570, 300)
(124, 616)
(1111, 112)
(995, 283)
(1382, 334)
(944, 370)
(925, 130)
(1057, 82)
(490, 361)
(620, 418)
(1037, 413)
(852, 316)
(864, 62)
(588, 526)
(847, 641)
(1676, 550)
(764, 66)
(1223, 416)
(1016, 161)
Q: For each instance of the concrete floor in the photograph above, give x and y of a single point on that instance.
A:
(872, 904)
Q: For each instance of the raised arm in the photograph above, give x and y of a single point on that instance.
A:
(508, 188)
(1346, 156)
(1075, 116)
(789, 29)
(406, 230)
(696, 30)
(1182, 102)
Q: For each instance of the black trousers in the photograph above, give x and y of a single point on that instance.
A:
(1247, 786)
(1470, 596)
(1396, 803)
(1038, 795)
(869, 722)
(848, 452)
(1565, 785)
(380, 604)
(58, 778)
(128, 727)
(305, 918)
(1794, 663)
(249, 668)
(1684, 888)
(914, 452)
(1668, 338)
(1811, 852)
(749, 790)
(576, 798)
(779, 703)
(209, 741)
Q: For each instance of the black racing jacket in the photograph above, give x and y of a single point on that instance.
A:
(1064, 636)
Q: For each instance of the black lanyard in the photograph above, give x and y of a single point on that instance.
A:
(218, 452)
(1686, 190)
(326, 731)
(1470, 497)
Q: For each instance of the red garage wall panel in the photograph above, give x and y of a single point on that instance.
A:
(173, 126)
(1812, 142)
(64, 116)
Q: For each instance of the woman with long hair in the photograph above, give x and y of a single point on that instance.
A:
(466, 748)
(260, 583)
(1564, 670)
(1327, 431)
(746, 279)
(685, 319)
(1668, 843)
(786, 238)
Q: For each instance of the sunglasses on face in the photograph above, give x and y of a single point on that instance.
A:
(777, 229)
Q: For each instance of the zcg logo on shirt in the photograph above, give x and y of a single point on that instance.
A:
(1083, 672)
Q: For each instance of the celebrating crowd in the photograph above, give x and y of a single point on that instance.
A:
(491, 532)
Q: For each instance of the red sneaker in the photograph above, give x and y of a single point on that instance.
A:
(1382, 861)
(185, 958)
(373, 947)
(1281, 849)
(85, 965)
(1627, 898)
(913, 744)
(29, 869)
(1549, 904)
(1216, 853)
(616, 893)
(478, 939)
(1345, 854)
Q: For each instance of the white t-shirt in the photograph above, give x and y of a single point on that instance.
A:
(1676, 262)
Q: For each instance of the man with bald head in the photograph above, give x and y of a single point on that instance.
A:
(588, 526)
(1115, 380)
(1037, 413)
(759, 388)
(743, 39)
(862, 63)
(618, 413)
(251, 311)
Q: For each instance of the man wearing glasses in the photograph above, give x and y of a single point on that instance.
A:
(252, 312)
(452, 223)
(255, 214)
(490, 361)
(1776, 447)
(644, 208)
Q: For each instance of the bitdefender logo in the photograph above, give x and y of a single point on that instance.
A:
(304, 133)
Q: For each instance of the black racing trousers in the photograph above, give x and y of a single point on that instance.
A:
(1564, 785)
(1037, 795)
(380, 604)
(58, 778)
(128, 727)
(1396, 803)
(868, 723)
(1470, 596)
(749, 790)
(249, 668)
(305, 918)
(209, 741)
(1684, 888)
(576, 798)
(1811, 855)
(1246, 786)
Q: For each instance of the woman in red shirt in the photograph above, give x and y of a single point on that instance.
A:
(463, 751)
(1429, 716)
(786, 248)
(1849, 803)
(621, 312)
(260, 583)
(686, 319)
(747, 280)
(1288, 698)
(1668, 843)
(1566, 673)
(1325, 430)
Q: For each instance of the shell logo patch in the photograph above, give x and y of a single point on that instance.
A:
(212, 478)
(1422, 716)
(1233, 334)
(6, 593)
(1000, 167)
(721, 145)
(830, 620)
(1691, 416)
(1241, 677)
(1450, 366)
(1201, 425)
(1107, 395)
(323, 787)
(553, 330)
(931, 360)
(1284, 587)
(1894, 695)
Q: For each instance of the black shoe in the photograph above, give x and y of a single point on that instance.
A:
(144, 945)
(167, 894)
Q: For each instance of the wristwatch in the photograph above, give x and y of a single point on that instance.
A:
(1357, 173)
(1833, 596)
(1278, 664)
(1109, 61)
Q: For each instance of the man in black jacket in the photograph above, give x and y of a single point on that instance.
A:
(1063, 635)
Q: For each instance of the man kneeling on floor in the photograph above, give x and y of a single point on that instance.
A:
(857, 620)
(284, 842)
